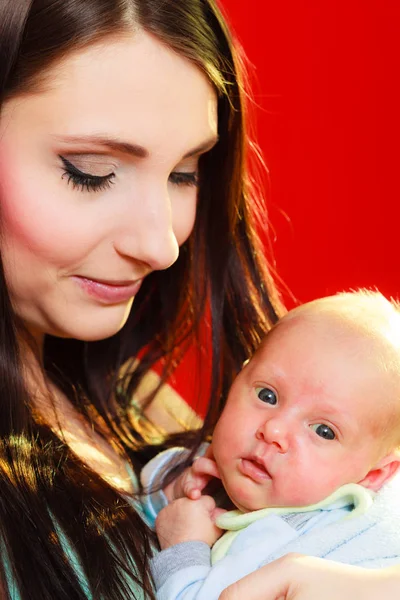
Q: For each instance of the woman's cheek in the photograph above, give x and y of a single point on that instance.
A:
(47, 221)
(28, 220)
(184, 216)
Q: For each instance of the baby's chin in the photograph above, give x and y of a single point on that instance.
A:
(250, 503)
(243, 503)
(251, 506)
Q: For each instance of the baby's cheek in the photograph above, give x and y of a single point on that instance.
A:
(316, 484)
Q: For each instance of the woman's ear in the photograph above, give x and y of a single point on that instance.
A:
(382, 472)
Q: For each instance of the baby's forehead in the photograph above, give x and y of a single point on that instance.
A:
(366, 330)
(329, 341)
(367, 312)
(352, 363)
(349, 317)
(325, 326)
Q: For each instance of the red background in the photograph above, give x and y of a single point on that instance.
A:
(328, 125)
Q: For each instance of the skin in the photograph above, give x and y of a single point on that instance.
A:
(53, 231)
(296, 577)
(296, 426)
(115, 233)
(266, 443)
(132, 90)
(192, 520)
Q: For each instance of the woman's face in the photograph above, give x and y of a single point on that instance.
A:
(98, 182)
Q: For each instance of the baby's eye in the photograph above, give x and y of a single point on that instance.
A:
(267, 395)
(323, 431)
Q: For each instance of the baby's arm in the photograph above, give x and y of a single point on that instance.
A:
(186, 530)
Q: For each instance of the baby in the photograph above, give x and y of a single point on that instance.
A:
(314, 412)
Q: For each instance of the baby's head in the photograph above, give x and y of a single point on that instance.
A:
(316, 407)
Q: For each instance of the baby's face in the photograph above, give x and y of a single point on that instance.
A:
(304, 417)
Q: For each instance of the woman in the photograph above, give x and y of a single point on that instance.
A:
(122, 154)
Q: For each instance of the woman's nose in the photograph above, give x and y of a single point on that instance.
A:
(274, 432)
(146, 233)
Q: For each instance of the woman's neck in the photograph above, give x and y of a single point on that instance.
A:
(54, 408)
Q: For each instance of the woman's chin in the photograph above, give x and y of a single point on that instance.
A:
(92, 327)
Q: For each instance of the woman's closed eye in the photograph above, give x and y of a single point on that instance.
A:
(183, 178)
(88, 182)
(85, 181)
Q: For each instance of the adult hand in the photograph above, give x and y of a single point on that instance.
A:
(186, 520)
(297, 577)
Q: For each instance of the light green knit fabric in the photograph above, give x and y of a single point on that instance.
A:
(235, 520)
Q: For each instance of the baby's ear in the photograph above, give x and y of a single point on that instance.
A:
(382, 472)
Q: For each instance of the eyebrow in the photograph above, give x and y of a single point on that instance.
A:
(131, 149)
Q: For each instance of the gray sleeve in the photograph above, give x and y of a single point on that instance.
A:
(173, 559)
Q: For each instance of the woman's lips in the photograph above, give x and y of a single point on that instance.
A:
(254, 470)
(109, 292)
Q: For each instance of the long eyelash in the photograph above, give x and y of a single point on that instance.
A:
(190, 179)
(84, 181)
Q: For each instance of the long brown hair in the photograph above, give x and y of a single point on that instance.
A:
(65, 533)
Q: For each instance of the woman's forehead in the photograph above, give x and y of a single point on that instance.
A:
(135, 89)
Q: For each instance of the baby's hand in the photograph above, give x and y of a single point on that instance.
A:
(186, 520)
(193, 480)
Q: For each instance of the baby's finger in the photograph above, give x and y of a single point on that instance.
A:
(209, 452)
(192, 492)
(194, 486)
(195, 482)
(217, 512)
(205, 466)
(208, 502)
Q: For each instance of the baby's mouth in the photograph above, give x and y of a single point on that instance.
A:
(253, 468)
